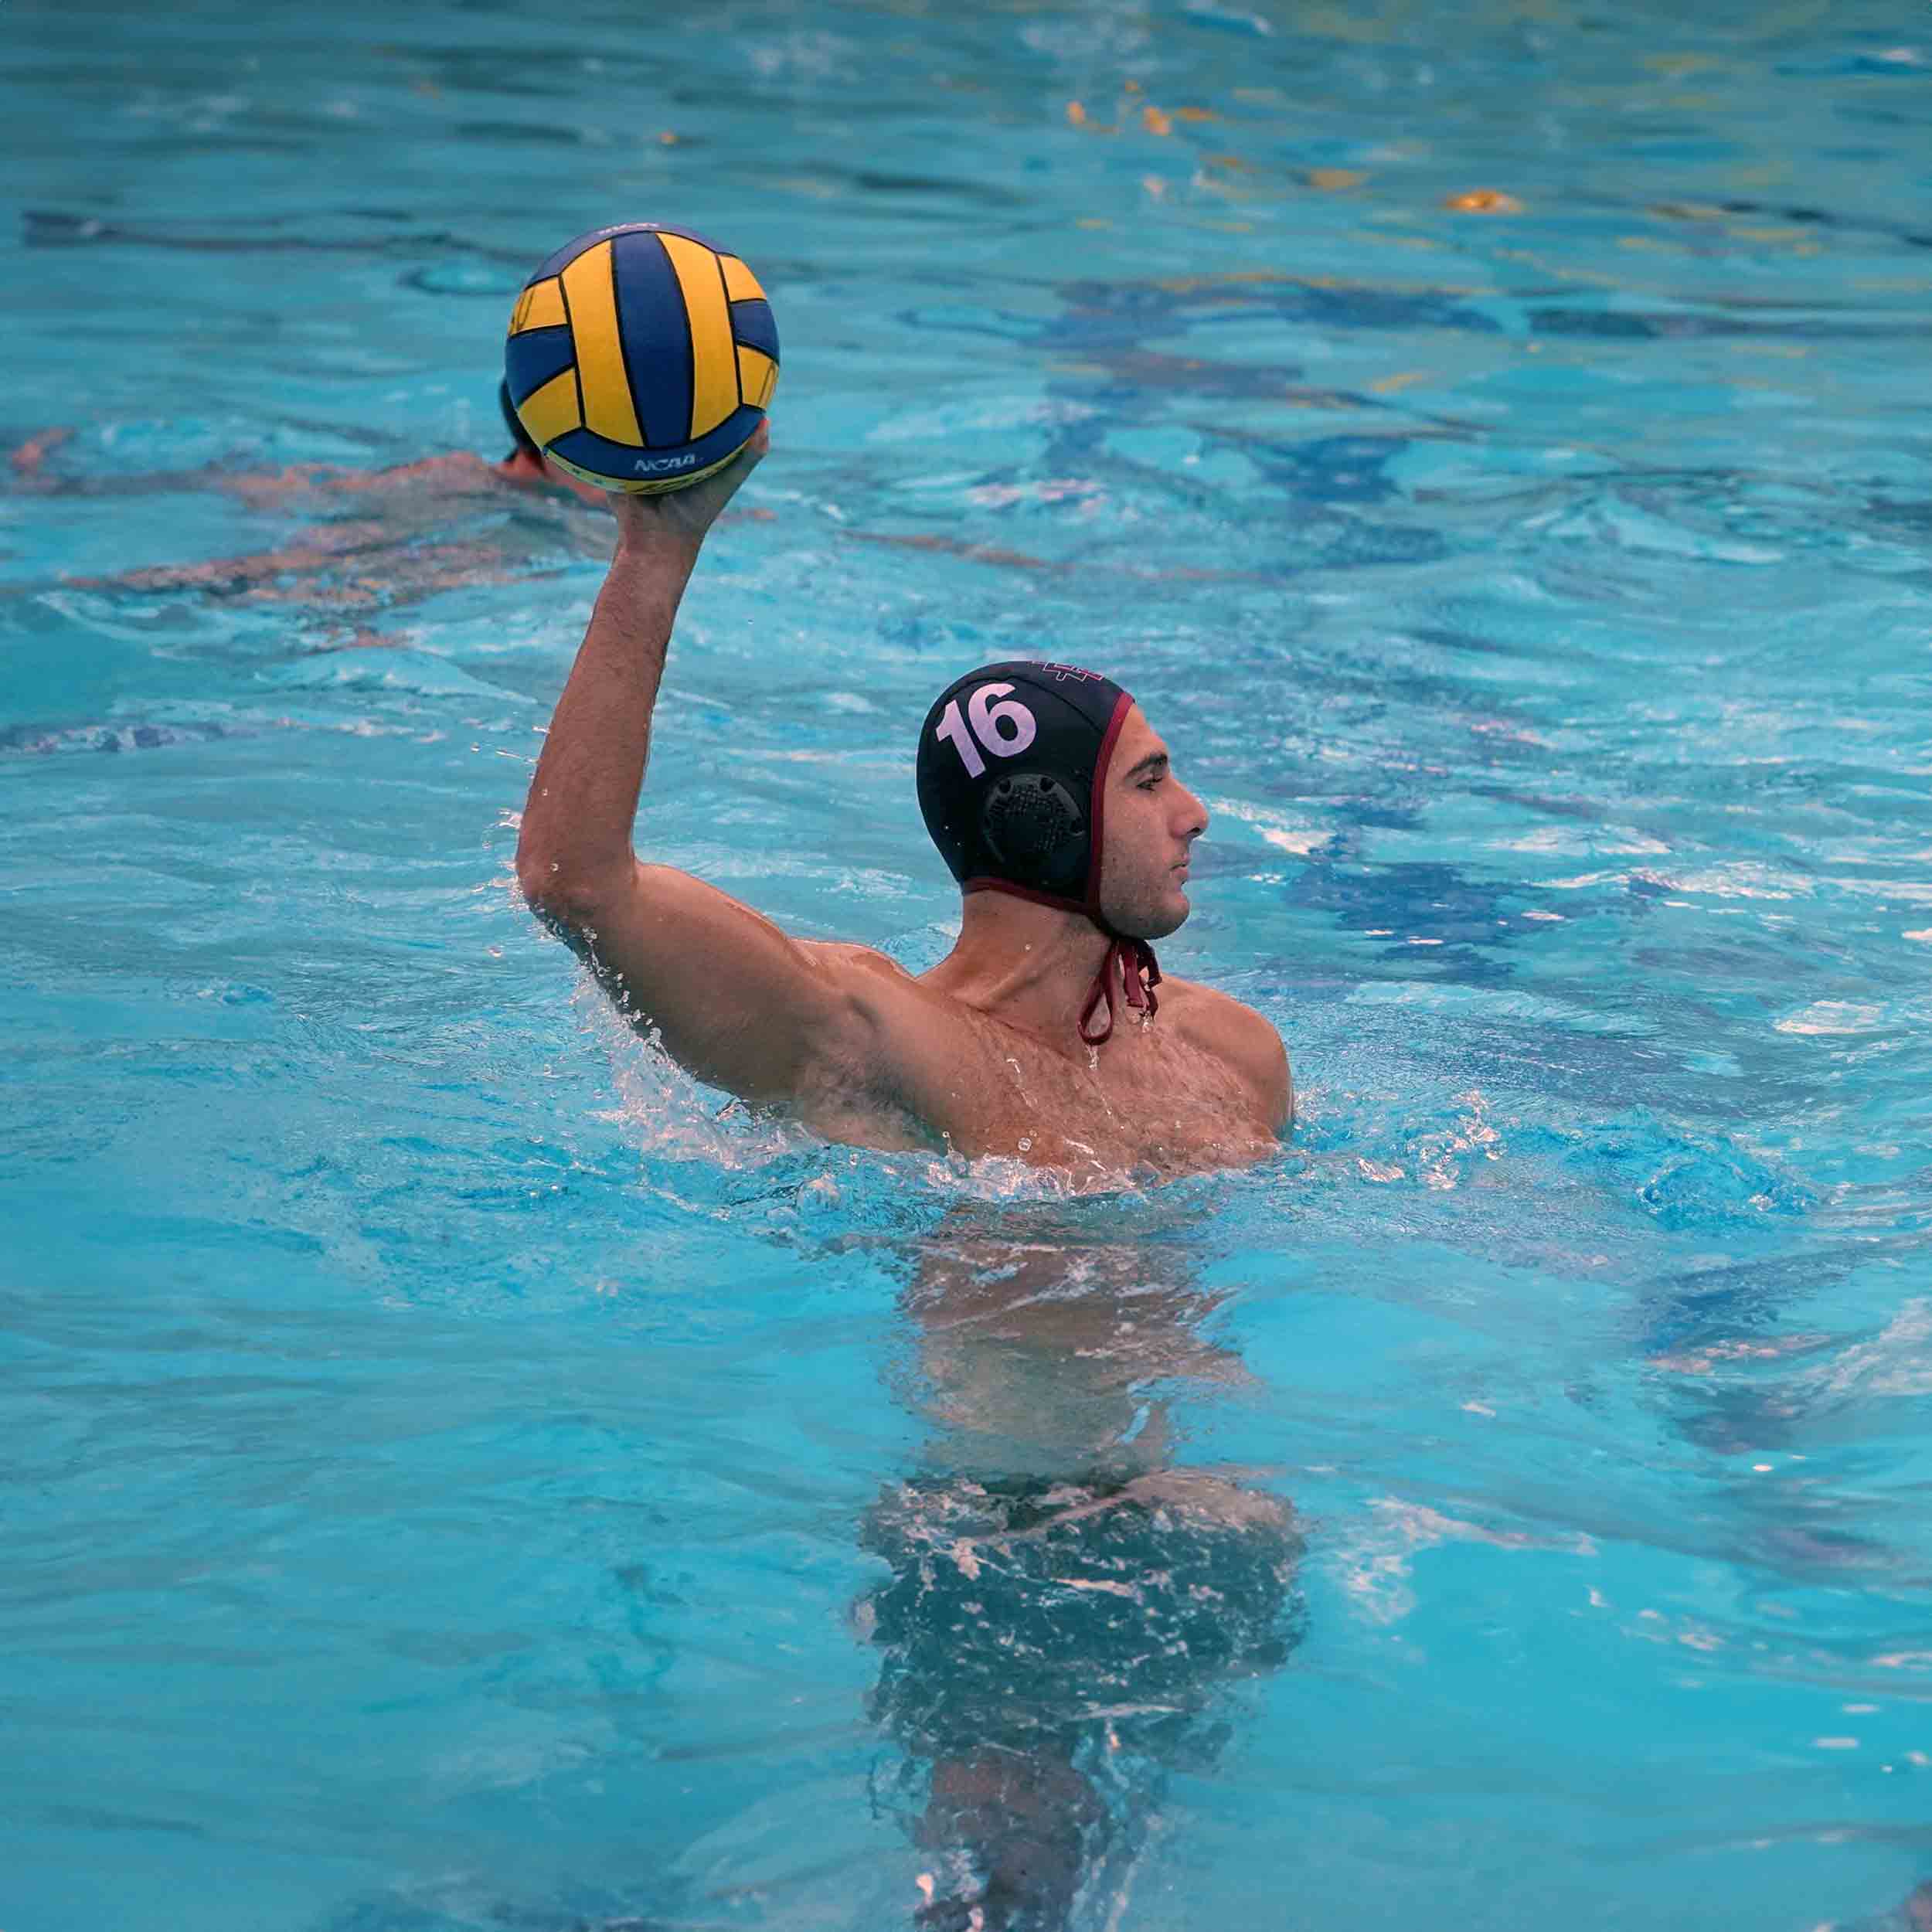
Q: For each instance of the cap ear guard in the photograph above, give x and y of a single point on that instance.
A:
(1037, 830)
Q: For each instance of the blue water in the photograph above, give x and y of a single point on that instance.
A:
(456, 1478)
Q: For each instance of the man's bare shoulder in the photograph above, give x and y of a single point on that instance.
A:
(1241, 1040)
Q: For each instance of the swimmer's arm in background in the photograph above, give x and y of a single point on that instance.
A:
(28, 470)
(734, 1000)
(457, 475)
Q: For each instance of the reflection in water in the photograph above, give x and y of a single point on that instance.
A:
(1067, 1608)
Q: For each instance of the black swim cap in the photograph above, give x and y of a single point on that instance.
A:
(1012, 775)
(524, 444)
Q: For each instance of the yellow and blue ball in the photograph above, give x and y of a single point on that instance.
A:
(641, 357)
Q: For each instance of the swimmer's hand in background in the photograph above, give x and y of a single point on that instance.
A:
(678, 520)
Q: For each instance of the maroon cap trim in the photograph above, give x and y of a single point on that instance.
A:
(1055, 899)
(1132, 960)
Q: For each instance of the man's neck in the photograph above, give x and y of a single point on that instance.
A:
(1029, 965)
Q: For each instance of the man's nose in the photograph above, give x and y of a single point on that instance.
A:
(1195, 820)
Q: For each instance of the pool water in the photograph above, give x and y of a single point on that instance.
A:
(460, 1476)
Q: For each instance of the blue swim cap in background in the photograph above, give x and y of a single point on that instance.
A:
(1012, 774)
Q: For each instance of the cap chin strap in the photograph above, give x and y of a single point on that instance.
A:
(1131, 962)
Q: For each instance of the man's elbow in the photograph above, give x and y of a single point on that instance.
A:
(566, 899)
(540, 879)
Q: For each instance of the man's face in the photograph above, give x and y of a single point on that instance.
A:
(1152, 822)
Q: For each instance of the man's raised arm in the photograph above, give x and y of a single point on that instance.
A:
(734, 999)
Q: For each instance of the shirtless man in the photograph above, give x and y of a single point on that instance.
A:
(1040, 1036)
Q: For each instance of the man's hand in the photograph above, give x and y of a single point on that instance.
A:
(679, 518)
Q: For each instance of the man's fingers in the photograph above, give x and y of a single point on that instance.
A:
(687, 514)
(723, 486)
(741, 465)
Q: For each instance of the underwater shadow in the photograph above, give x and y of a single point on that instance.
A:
(1070, 1606)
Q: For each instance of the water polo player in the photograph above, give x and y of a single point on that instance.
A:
(1047, 1033)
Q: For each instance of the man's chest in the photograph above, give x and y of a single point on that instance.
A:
(1146, 1097)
